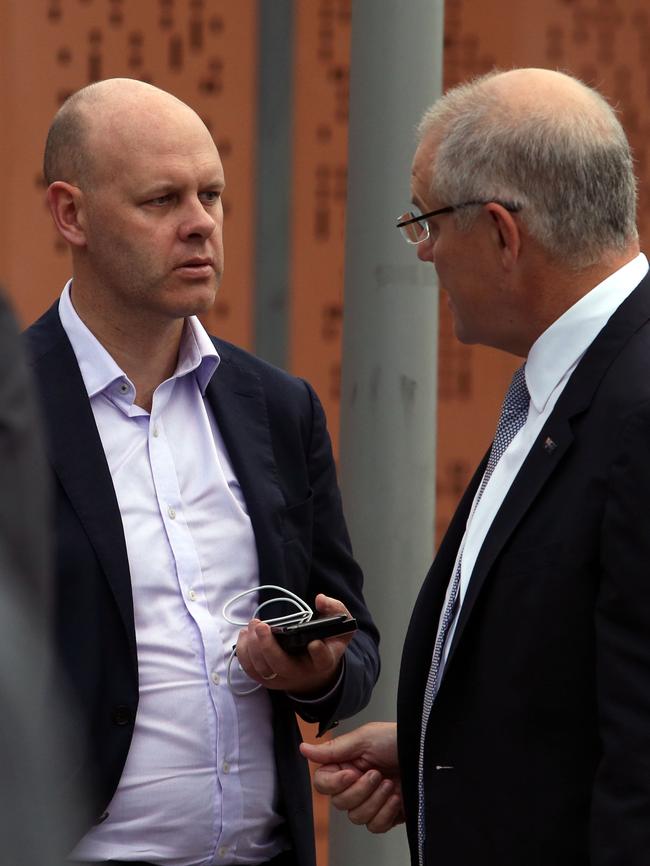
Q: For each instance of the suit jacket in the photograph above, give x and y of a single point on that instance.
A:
(274, 429)
(537, 750)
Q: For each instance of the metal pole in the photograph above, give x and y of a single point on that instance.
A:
(389, 352)
(274, 181)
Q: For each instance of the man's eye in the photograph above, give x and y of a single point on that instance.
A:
(160, 200)
(211, 196)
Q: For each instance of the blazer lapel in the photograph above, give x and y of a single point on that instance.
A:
(237, 400)
(78, 459)
(423, 625)
(555, 440)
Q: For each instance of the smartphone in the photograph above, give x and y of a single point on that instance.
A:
(294, 638)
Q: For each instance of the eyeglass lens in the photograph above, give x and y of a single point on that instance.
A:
(414, 232)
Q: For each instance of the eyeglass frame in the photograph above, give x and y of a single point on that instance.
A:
(450, 208)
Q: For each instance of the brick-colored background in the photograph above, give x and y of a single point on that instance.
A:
(204, 51)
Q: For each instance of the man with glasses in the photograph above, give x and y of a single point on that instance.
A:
(523, 719)
(187, 473)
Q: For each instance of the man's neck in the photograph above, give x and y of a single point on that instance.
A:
(551, 290)
(144, 347)
(147, 363)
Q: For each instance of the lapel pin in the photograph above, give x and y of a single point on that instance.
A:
(549, 445)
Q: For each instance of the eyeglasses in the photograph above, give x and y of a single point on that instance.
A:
(415, 228)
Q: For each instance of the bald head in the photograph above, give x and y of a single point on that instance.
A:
(135, 189)
(107, 117)
(545, 141)
(541, 92)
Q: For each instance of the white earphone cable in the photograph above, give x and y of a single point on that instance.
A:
(303, 613)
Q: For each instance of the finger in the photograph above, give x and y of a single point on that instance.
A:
(259, 661)
(329, 606)
(325, 655)
(270, 652)
(360, 792)
(331, 780)
(319, 753)
(368, 810)
(390, 814)
(347, 747)
(241, 651)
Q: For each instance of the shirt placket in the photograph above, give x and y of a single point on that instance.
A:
(195, 598)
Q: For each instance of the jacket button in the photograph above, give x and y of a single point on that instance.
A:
(122, 715)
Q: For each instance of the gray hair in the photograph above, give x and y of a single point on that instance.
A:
(571, 172)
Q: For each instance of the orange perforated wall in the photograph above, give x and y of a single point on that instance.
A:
(320, 141)
(203, 51)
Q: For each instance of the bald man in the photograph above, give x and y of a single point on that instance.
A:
(187, 473)
(523, 718)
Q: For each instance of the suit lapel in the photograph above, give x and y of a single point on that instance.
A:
(78, 458)
(237, 400)
(555, 440)
(423, 626)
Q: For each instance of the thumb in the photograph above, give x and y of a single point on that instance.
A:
(319, 753)
(347, 747)
(328, 606)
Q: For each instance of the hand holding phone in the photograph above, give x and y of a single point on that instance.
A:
(294, 638)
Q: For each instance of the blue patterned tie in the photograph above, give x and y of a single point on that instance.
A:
(513, 416)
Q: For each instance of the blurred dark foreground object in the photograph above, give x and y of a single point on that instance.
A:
(36, 821)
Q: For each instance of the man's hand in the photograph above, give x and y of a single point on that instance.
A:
(360, 772)
(308, 674)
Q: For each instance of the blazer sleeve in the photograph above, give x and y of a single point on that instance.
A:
(335, 572)
(620, 829)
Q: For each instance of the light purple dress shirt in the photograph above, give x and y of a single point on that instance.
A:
(199, 785)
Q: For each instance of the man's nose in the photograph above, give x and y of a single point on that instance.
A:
(425, 250)
(197, 222)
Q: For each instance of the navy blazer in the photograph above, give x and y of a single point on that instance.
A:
(538, 744)
(274, 429)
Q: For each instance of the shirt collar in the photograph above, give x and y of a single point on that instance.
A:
(197, 353)
(100, 371)
(560, 347)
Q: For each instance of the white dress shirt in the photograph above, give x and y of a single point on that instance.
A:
(199, 785)
(552, 359)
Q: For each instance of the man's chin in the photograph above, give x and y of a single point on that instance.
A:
(193, 300)
(463, 335)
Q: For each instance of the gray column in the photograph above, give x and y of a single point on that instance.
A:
(389, 352)
(272, 225)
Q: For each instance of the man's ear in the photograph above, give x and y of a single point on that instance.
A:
(66, 206)
(507, 234)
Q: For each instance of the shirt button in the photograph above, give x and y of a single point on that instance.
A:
(216, 679)
(155, 431)
(172, 513)
(124, 387)
(223, 851)
(226, 767)
(192, 595)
